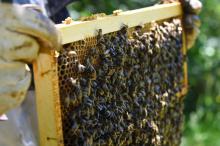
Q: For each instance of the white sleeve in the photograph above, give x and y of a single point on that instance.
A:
(41, 3)
(21, 127)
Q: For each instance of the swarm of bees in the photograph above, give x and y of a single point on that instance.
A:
(123, 92)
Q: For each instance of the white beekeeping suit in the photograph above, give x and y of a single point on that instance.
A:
(21, 31)
(40, 3)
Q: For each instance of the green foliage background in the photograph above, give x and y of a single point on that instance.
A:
(202, 104)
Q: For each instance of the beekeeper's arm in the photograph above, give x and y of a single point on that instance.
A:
(23, 32)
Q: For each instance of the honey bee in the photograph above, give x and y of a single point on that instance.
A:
(131, 91)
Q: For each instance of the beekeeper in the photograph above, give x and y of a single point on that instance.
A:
(23, 30)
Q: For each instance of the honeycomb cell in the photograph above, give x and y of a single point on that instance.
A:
(132, 98)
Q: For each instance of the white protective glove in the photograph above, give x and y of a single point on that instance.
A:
(22, 33)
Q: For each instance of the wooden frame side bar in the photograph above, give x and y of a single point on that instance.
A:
(47, 99)
(184, 90)
(185, 67)
(79, 30)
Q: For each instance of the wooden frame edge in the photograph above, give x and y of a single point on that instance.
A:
(48, 99)
(184, 90)
(83, 29)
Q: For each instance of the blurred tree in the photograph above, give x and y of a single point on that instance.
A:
(202, 104)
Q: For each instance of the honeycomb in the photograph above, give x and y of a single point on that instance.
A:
(121, 88)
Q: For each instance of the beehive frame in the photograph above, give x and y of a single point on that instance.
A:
(45, 67)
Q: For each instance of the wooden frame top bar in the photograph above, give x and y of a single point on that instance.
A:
(79, 30)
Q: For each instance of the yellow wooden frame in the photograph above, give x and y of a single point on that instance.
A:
(45, 67)
(78, 30)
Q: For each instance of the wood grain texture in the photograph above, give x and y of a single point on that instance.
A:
(47, 99)
(79, 30)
